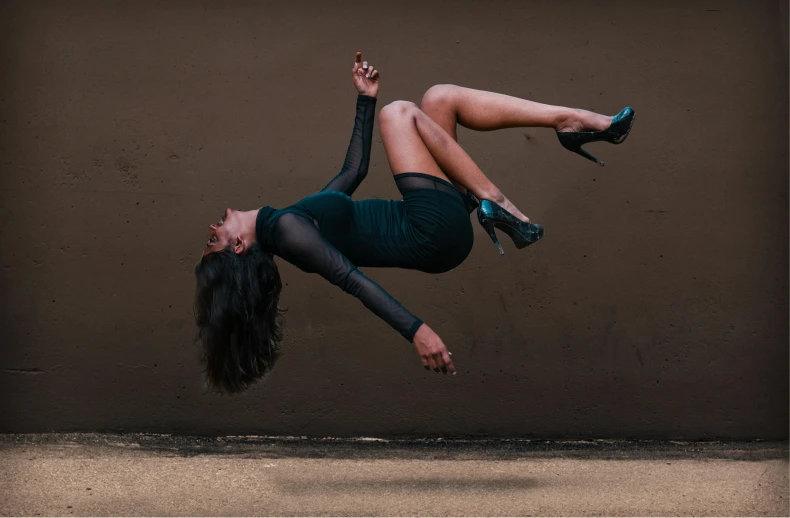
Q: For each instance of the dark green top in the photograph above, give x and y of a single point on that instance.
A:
(329, 234)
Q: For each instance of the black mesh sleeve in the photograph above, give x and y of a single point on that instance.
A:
(355, 166)
(300, 243)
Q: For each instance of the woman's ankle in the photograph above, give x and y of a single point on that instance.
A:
(583, 120)
(492, 194)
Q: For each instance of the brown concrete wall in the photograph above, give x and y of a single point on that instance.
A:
(656, 306)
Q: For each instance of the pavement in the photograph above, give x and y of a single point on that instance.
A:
(90, 474)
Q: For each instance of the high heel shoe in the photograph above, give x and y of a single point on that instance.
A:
(616, 133)
(492, 216)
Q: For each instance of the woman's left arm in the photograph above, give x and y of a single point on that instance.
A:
(355, 166)
(300, 243)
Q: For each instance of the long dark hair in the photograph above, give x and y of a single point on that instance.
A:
(238, 319)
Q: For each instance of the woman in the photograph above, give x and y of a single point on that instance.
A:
(238, 285)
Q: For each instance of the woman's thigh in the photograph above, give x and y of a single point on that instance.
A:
(406, 151)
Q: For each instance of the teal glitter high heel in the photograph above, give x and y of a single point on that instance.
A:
(616, 133)
(491, 216)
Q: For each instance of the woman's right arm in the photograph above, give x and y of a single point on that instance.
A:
(355, 166)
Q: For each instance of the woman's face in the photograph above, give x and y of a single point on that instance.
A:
(224, 233)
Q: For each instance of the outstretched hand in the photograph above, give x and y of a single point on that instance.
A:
(366, 78)
(432, 350)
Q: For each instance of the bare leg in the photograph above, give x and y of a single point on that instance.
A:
(485, 111)
(479, 110)
(415, 143)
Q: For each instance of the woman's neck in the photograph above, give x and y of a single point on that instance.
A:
(248, 218)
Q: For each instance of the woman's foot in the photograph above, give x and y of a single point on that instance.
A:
(513, 210)
(499, 198)
(583, 120)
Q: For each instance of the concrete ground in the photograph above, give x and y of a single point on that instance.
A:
(156, 475)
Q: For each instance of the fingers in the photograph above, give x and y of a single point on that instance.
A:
(448, 363)
(439, 362)
(435, 362)
(432, 363)
(357, 62)
(364, 68)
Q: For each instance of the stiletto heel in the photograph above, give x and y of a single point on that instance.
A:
(491, 232)
(491, 216)
(586, 154)
(616, 133)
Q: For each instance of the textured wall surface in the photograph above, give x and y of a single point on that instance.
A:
(655, 307)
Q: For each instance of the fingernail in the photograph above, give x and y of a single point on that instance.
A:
(367, 75)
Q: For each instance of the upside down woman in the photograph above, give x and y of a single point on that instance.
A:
(238, 285)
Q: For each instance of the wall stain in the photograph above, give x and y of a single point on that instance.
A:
(33, 370)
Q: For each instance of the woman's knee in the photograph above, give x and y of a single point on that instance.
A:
(439, 97)
(397, 110)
